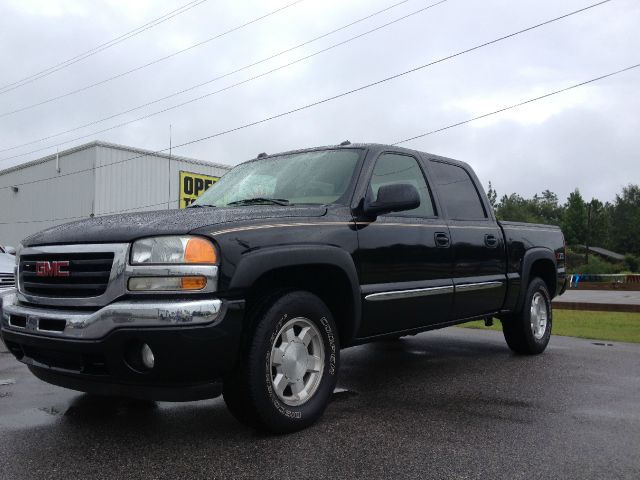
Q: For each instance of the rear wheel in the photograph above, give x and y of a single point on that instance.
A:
(289, 368)
(528, 332)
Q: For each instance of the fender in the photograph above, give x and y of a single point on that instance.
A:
(255, 264)
(531, 256)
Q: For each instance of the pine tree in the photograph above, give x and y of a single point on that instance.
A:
(625, 221)
(575, 219)
(493, 197)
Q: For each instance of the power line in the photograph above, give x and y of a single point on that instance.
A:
(229, 87)
(441, 129)
(462, 52)
(44, 102)
(171, 55)
(59, 66)
(516, 105)
(319, 102)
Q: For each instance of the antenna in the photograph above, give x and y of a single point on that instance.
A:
(169, 171)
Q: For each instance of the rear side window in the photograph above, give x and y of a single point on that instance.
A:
(457, 192)
(392, 168)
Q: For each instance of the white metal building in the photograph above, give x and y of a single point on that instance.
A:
(94, 179)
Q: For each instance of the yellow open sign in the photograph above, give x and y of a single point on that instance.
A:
(192, 185)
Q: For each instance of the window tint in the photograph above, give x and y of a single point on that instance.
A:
(390, 169)
(457, 192)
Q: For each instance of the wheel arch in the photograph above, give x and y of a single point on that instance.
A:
(538, 262)
(326, 271)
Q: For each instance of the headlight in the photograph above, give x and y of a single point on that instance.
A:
(174, 250)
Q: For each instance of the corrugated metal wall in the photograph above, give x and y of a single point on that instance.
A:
(44, 204)
(119, 183)
(141, 183)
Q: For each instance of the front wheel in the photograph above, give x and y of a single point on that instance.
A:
(528, 332)
(289, 369)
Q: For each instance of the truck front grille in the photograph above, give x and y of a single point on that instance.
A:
(85, 274)
(7, 280)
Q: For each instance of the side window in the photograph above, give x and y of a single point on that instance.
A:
(457, 193)
(392, 168)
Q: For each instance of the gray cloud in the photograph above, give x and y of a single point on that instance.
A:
(586, 139)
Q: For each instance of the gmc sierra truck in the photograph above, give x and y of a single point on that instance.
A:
(253, 290)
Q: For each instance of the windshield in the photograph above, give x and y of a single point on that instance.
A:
(318, 177)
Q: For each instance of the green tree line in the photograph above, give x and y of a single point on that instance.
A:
(612, 225)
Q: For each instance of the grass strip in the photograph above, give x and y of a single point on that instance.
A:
(612, 326)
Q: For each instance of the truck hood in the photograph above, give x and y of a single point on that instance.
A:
(130, 226)
(7, 262)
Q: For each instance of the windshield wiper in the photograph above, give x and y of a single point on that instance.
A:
(259, 200)
(200, 206)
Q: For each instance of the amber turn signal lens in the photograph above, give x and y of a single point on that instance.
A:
(199, 250)
(193, 283)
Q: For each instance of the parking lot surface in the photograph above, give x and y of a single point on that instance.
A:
(448, 404)
(617, 297)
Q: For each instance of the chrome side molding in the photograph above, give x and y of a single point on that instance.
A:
(426, 292)
(416, 292)
(467, 287)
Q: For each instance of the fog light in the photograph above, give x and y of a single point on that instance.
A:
(148, 360)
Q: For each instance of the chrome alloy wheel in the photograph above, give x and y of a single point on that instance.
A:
(297, 361)
(538, 315)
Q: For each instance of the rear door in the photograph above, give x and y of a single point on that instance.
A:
(479, 259)
(404, 258)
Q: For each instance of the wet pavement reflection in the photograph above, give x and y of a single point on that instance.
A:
(453, 403)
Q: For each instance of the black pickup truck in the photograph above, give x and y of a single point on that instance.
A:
(252, 291)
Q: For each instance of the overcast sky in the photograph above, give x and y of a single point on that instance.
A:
(587, 138)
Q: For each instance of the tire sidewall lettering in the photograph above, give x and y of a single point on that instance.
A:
(332, 344)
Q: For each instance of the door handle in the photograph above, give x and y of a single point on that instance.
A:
(442, 240)
(491, 241)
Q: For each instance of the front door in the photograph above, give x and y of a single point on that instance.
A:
(404, 258)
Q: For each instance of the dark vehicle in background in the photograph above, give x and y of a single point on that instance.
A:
(253, 291)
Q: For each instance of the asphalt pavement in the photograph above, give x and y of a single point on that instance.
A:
(599, 300)
(618, 297)
(448, 404)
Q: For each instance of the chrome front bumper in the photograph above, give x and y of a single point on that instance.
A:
(54, 322)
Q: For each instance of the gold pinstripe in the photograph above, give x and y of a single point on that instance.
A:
(381, 224)
(314, 224)
(276, 225)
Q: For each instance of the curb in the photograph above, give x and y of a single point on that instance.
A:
(597, 307)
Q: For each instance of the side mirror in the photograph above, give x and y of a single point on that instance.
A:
(10, 250)
(396, 197)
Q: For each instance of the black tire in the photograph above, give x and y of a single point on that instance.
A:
(249, 391)
(517, 328)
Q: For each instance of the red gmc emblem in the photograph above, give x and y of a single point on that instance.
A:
(52, 269)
